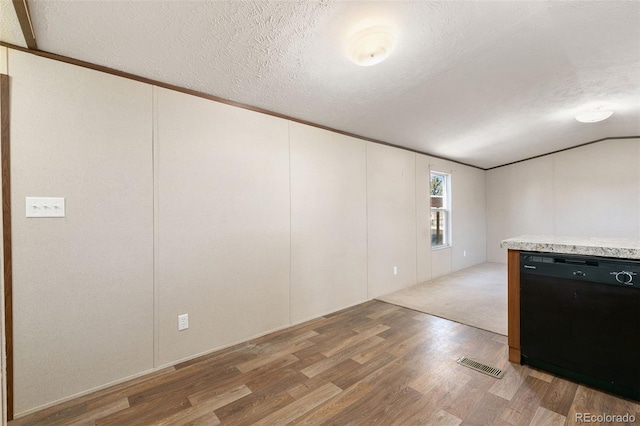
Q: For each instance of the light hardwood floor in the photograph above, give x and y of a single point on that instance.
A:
(375, 363)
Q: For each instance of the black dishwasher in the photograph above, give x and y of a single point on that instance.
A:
(580, 318)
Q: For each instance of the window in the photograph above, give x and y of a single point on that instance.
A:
(440, 214)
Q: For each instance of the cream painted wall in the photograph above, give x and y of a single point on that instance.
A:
(423, 218)
(469, 217)
(223, 224)
(391, 212)
(519, 201)
(328, 222)
(596, 190)
(83, 284)
(177, 204)
(4, 60)
(441, 262)
(586, 191)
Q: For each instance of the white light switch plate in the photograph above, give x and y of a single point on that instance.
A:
(45, 207)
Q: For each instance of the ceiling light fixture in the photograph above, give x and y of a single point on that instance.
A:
(371, 46)
(594, 116)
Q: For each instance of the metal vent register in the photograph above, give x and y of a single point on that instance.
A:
(478, 366)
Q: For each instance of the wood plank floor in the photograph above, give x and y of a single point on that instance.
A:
(375, 363)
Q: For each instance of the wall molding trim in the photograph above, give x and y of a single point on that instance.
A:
(130, 76)
(563, 150)
(24, 18)
(196, 93)
(5, 159)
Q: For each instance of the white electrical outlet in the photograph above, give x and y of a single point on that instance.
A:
(464, 253)
(395, 270)
(183, 322)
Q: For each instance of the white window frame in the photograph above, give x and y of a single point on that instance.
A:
(446, 209)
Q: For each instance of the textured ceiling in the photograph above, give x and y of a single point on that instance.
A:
(485, 83)
(10, 31)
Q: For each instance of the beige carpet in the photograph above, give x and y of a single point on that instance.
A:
(475, 296)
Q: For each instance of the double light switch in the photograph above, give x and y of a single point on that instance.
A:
(45, 207)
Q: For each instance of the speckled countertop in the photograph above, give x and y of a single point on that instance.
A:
(606, 247)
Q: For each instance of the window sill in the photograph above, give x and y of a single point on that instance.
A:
(436, 248)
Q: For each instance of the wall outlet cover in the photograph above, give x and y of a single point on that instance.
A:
(183, 322)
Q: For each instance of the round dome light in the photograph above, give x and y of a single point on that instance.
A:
(371, 46)
(593, 116)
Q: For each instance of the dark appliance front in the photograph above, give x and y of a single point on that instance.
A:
(580, 318)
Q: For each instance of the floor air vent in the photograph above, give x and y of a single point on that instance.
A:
(478, 366)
